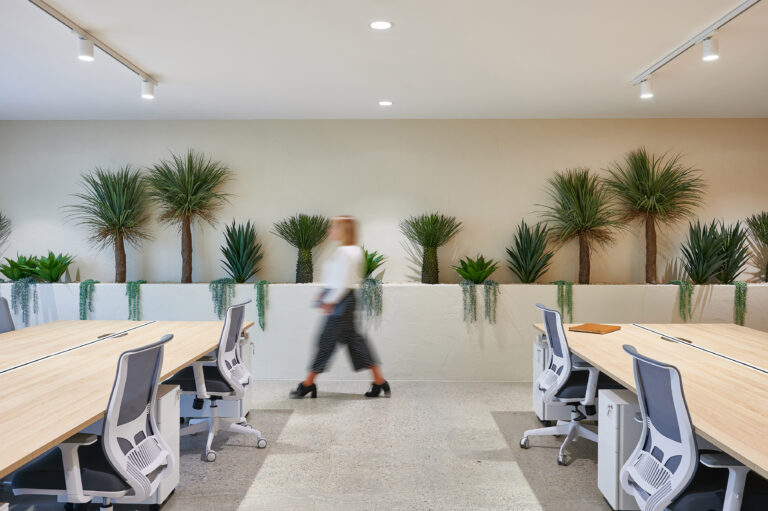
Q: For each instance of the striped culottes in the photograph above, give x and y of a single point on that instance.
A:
(340, 328)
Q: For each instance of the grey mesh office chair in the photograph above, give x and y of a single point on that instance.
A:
(666, 471)
(567, 381)
(228, 379)
(128, 460)
(6, 321)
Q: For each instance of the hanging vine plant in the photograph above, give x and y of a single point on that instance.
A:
(565, 298)
(491, 291)
(222, 293)
(371, 291)
(262, 287)
(476, 271)
(23, 289)
(470, 300)
(133, 291)
(86, 297)
(739, 302)
(684, 298)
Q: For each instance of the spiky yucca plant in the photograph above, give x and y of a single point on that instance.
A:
(529, 258)
(50, 268)
(114, 208)
(580, 207)
(187, 188)
(430, 231)
(5, 229)
(735, 252)
(758, 227)
(241, 251)
(476, 270)
(702, 252)
(373, 261)
(20, 268)
(304, 232)
(656, 190)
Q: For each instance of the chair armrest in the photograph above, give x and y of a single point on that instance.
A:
(73, 482)
(591, 393)
(719, 460)
(737, 477)
(80, 439)
(581, 366)
(207, 358)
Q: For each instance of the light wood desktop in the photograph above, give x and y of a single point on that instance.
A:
(727, 401)
(47, 401)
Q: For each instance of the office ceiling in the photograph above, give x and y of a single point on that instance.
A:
(252, 59)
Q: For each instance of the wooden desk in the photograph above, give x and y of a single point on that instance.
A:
(47, 401)
(727, 401)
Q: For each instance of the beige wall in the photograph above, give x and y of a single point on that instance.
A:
(489, 174)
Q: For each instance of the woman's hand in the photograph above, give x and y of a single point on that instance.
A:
(327, 307)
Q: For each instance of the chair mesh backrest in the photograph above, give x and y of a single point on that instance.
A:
(666, 456)
(559, 364)
(6, 321)
(229, 360)
(131, 437)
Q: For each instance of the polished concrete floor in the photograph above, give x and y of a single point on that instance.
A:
(432, 446)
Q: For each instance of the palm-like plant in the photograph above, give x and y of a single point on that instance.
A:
(430, 231)
(241, 251)
(758, 227)
(476, 270)
(529, 258)
(304, 232)
(114, 208)
(656, 190)
(373, 261)
(187, 188)
(702, 252)
(735, 252)
(581, 207)
(5, 229)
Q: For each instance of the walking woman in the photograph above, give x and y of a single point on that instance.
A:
(341, 274)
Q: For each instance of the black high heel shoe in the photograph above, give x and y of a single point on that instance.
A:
(376, 390)
(302, 391)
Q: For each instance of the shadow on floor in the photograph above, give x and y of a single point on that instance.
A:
(553, 485)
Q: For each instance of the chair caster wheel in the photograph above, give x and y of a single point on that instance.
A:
(524, 443)
(262, 443)
(546, 423)
(210, 456)
(154, 507)
(562, 459)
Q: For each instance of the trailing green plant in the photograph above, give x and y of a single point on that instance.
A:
(222, 293)
(24, 294)
(684, 298)
(304, 232)
(476, 270)
(739, 302)
(373, 261)
(241, 251)
(5, 229)
(133, 291)
(469, 298)
(565, 298)
(86, 297)
(21, 267)
(430, 231)
(491, 294)
(657, 190)
(529, 258)
(114, 207)
(702, 252)
(758, 227)
(580, 206)
(50, 268)
(734, 247)
(187, 189)
(262, 287)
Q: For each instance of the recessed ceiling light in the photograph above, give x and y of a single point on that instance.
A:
(381, 25)
(385, 103)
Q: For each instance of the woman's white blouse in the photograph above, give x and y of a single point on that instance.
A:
(342, 272)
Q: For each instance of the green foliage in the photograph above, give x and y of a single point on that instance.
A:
(50, 268)
(22, 291)
(373, 261)
(739, 302)
(529, 258)
(5, 229)
(430, 231)
(86, 297)
(469, 298)
(565, 298)
(222, 293)
(303, 232)
(20, 268)
(133, 291)
(261, 301)
(241, 251)
(735, 251)
(758, 227)
(702, 252)
(371, 299)
(491, 292)
(476, 270)
(684, 298)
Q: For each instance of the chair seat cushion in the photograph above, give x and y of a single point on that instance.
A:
(576, 385)
(47, 471)
(707, 491)
(214, 381)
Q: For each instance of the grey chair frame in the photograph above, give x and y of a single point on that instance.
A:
(6, 320)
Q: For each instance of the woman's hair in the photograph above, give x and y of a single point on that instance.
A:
(348, 226)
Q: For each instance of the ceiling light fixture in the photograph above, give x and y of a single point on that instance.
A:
(709, 49)
(385, 103)
(646, 91)
(381, 25)
(147, 89)
(84, 49)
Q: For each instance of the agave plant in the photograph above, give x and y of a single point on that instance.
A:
(529, 258)
(476, 270)
(735, 252)
(241, 251)
(581, 207)
(20, 268)
(656, 190)
(702, 252)
(430, 231)
(373, 261)
(758, 227)
(187, 188)
(304, 232)
(5, 229)
(114, 208)
(50, 268)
